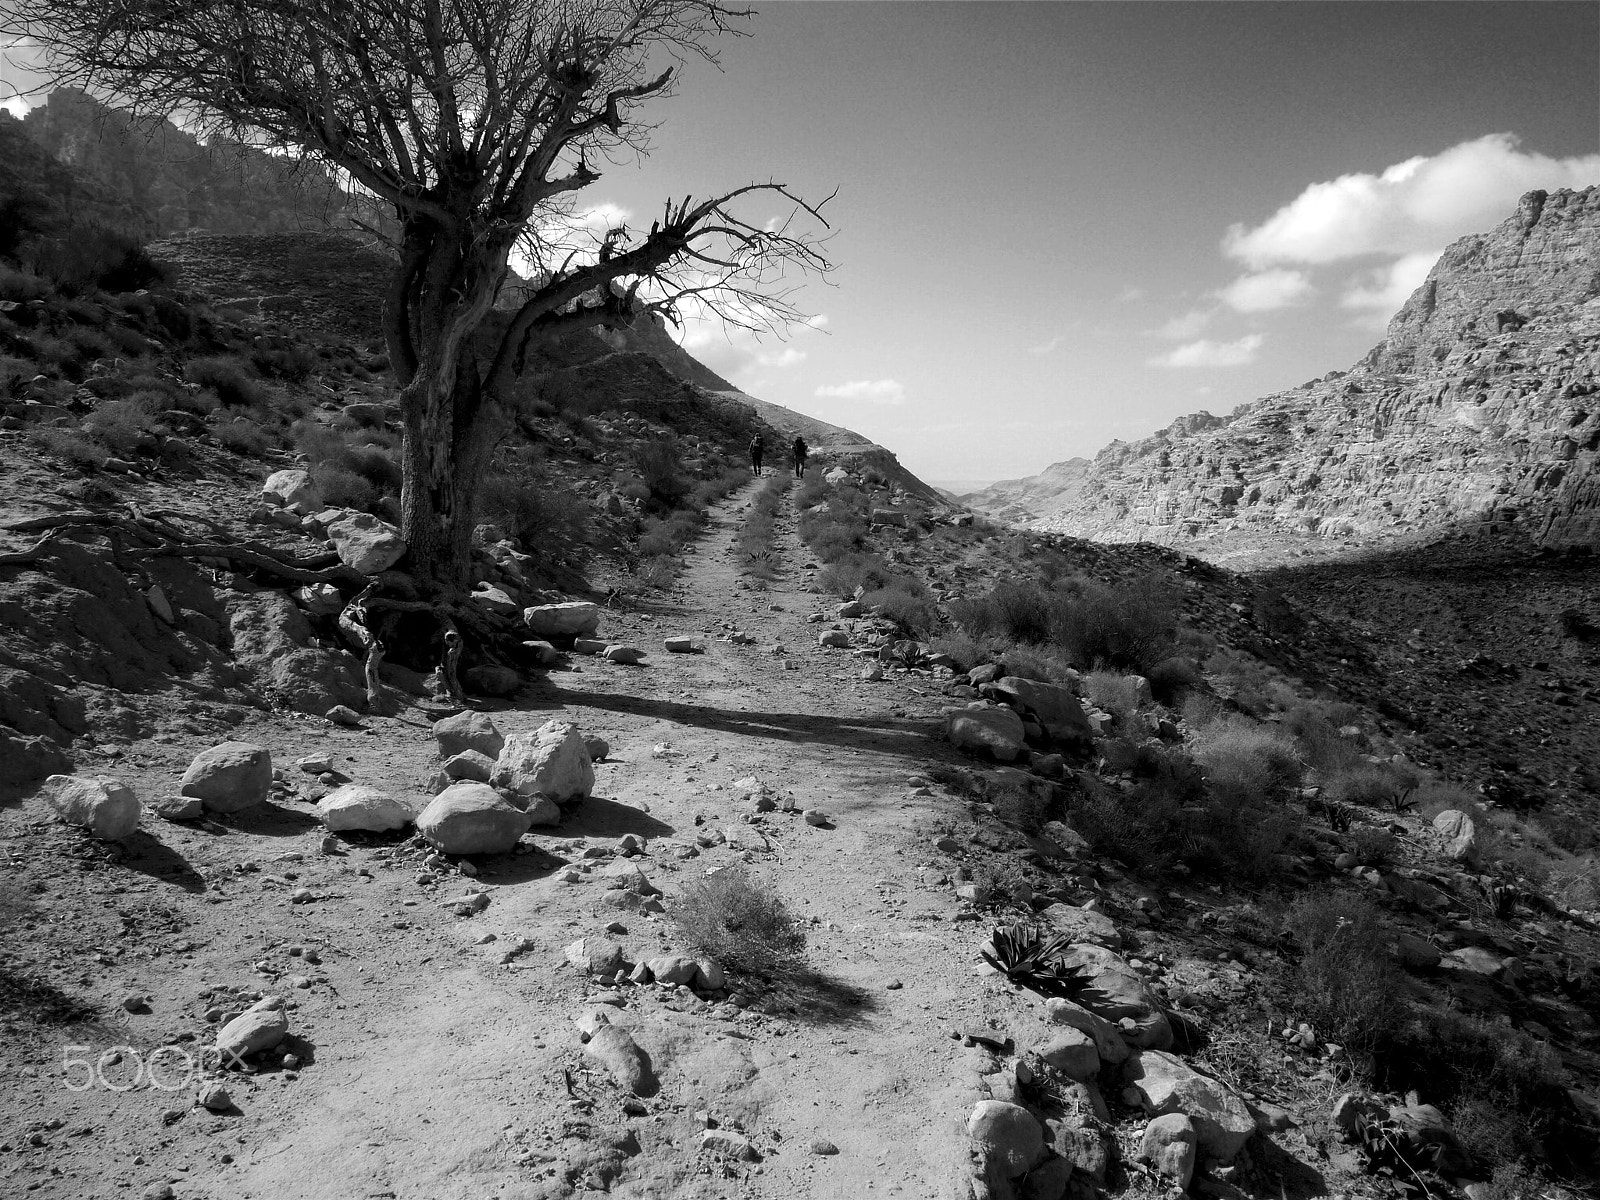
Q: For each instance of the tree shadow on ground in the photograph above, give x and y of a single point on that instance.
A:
(144, 853)
(31, 998)
(908, 737)
(1290, 1178)
(805, 993)
(599, 817)
(266, 818)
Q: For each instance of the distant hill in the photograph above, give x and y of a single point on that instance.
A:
(1019, 501)
(1480, 409)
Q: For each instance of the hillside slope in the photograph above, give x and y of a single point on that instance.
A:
(1458, 419)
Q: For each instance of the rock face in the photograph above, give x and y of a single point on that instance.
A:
(1166, 1084)
(986, 730)
(365, 543)
(468, 731)
(1053, 706)
(577, 618)
(355, 806)
(1007, 1135)
(1458, 417)
(229, 777)
(472, 818)
(552, 761)
(106, 808)
(292, 489)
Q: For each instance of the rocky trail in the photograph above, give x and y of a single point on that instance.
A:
(440, 1055)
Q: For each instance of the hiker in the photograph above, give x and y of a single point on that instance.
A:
(800, 452)
(757, 449)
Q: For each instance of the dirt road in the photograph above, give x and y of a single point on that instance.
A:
(438, 1070)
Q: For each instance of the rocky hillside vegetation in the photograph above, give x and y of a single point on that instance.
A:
(1474, 414)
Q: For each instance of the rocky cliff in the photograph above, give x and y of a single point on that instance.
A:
(167, 181)
(1477, 409)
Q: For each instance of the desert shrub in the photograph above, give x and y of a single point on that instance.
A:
(14, 373)
(853, 570)
(739, 922)
(378, 465)
(634, 490)
(1316, 730)
(1113, 692)
(1375, 785)
(226, 377)
(1172, 679)
(242, 436)
(69, 445)
(127, 343)
(76, 348)
(659, 467)
(812, 490)
(1038, 662)
(21, 285)
(121, 426)
(1145, 826)
(1572, 832)
(202, 403)
(658, 571)
(1346, 982)
(87, 257)
(531, 509)
(1017, 612)
(1131, 625)
(293, 363)
(1372, 847)
(342, 487)
(24, 214)
(1247, 765)
(1503, 1090)
(962, 647)
(905, 602)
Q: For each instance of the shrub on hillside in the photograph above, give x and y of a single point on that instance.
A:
(123, 427)
(1172, 679)
(1503, 1090)
(1375, 785)
(293, 363)
(1346, 982)
(227, 378)
(963, 648)
(1113, 692)
(905, 602)
(21, 285)
(343, 488)
(739, 922)
(90, 257)
(1016, 612)
(1038, 662)
(69, 446)
(659, 467)
(1132, 625)
(529, 508)
(242, 436)
(1247, 765)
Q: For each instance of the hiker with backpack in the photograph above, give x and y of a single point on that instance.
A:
(758, 447)
(800, 451)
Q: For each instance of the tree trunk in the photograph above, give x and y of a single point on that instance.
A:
(445, 457)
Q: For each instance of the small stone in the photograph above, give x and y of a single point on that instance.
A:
(729, 1142)
(136, 1004)
(1007, 1135)
(1168, 1145)
(215, 1097)
(815, 816)
(822, 1147)
(342, 714)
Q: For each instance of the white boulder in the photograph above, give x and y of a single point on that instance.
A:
(107, 808)
(553, 761)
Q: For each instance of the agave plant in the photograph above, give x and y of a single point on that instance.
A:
(1026, 957)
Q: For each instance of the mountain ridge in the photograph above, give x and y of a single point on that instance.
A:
(1471, 412)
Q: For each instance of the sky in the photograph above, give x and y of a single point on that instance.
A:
(1059, 224)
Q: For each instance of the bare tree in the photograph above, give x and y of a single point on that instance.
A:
(478, 122)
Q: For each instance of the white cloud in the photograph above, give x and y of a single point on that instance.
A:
(1412, 206)
(1130, 294)
(1264, 291)
(787, 357)
(1379, 292)
(1186, 325)
(874, 391)
(1045, 347)
(1207, 353)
